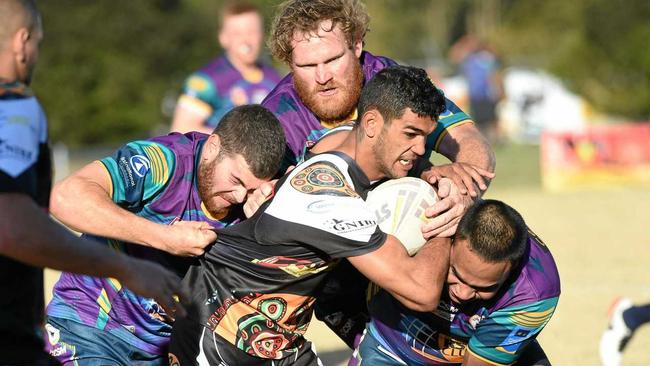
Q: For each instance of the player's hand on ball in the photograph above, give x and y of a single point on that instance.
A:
(151, 280)
(258, 197)
(446, 213)
(467, 177)
(188, 238)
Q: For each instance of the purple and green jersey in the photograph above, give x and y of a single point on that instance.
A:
(155, 179)
(218, 87)
(496, 331)
(302, 128)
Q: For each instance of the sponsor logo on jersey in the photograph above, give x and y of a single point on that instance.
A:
(321, 207)
(347, 226)
(474, 320)
(445, 311)
(53, 334)
(11, 150)
(140, 165)
(322, 179)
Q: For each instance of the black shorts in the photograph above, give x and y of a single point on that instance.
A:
(483, 112)
(192, 343)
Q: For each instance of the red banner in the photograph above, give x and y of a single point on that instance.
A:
(604, 155)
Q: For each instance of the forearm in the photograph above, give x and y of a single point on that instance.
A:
(467, 145)
(86, 206)
(28, 235)
(415, 281)
(426, 274)
(186, 120)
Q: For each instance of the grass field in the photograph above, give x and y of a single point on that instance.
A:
(600, 243)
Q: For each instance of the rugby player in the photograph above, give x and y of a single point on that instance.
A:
(157, 199)
(322, 43)
(624, 320)
(253, 291)
(232, 79)
(501, 290)
(28, 238)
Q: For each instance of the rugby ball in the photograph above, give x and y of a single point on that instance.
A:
(399, 205)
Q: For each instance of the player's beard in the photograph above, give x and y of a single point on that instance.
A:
(336, 108)
(206, 182)
(379, 151)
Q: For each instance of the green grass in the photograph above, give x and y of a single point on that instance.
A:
(517, 167)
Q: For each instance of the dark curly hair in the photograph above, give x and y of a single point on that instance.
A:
(396, 88)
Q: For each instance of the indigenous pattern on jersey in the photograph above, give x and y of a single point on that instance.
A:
(155, 179)
(25, 167)
(256, 286)
(218, 87)
(302, 128)
(495, 331)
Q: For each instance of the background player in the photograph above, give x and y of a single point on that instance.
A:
(625, 319)
(233, 79)
(254, 290)
(156, 199)
(28, 238)
(501, 290)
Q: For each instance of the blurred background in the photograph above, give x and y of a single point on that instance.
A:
(572, 102)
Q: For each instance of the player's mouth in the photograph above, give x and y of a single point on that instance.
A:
(327, 92)
(406, 163)
(245, 49)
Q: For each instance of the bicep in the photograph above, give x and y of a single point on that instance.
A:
(92, 175)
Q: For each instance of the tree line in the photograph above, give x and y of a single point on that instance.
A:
(109, 70)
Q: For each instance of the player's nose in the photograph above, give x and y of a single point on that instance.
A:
(464, 293)
(323, 75)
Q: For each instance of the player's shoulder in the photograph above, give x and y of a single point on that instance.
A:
(282, 96)
(537, 277)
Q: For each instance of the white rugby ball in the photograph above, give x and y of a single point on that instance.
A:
(399, 206)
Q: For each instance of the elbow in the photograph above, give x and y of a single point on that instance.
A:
(423, 301)
(62, 195)
(57, 201)
(426, 303)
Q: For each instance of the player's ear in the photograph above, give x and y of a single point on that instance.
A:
(213, 144)
(372, 123)
(223, 40)
(19, 43)
(357, 47)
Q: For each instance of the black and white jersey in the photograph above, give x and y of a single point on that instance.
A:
(24, 168)
(256, 285)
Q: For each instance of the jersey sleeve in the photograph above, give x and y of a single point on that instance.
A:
(23, 145)
(199, 94)
(318, 206)
(450, 118)
(502, 337)
(139, 171)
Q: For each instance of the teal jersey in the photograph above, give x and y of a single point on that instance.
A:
(155, 179)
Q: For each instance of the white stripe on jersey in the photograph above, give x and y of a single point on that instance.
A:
(347, 216)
